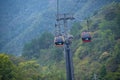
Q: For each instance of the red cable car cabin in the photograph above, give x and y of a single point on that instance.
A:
(86, 37)
(59, 41)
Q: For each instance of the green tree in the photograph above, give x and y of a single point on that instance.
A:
(28, 70)
(6, 68)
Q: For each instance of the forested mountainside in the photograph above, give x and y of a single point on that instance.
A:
(101, 57)
(21, 20)
(97, 60)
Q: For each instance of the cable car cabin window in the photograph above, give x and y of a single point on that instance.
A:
(86, 37)
(59, 41)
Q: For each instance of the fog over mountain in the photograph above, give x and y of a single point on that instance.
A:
(23, 20)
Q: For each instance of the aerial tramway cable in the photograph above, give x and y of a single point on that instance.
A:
(58, 39)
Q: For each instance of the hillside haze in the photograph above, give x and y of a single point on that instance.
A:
(21, 20)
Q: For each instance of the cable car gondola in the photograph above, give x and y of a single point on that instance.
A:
(59, 40)
(86, 37)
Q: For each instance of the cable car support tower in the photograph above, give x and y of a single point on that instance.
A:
(68, 55)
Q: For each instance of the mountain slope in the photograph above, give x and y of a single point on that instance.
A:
(97, 60)
(100, 57)
(21, 21)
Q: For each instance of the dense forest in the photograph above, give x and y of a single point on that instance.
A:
(100, 59)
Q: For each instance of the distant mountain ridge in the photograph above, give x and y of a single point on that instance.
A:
(22, 21)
